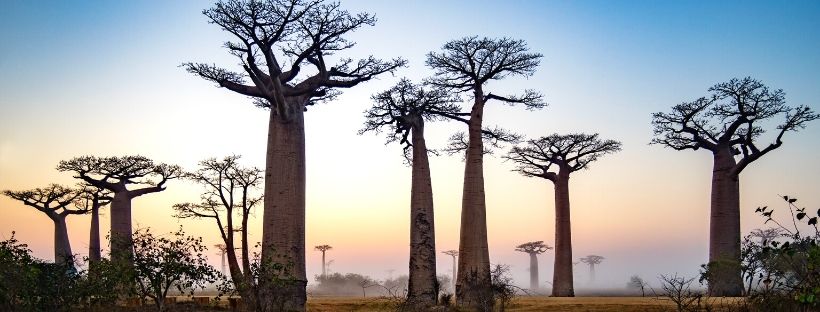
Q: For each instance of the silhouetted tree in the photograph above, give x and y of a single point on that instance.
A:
(230, 190)
(57, 202)
(403, 109)
(533, 249)
(115, 174)
(454, 254)
(323, 249)
(93, 199)
(274, 40)
(592, 261)
(638, 283)
(554, 158)
(466, 65)
(728, 123)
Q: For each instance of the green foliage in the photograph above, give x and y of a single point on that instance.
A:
(163, 263)
(30, 284)
(788, 268)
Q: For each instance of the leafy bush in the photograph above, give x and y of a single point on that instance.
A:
(162, 264)
(789, 268)
(29, 284)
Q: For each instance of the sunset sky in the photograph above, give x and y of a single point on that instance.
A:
(103, 78)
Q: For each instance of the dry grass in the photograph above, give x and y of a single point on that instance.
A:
(534, 303)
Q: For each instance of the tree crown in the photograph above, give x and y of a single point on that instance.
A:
(592, 259)
(405, 106)
(536, 247)
(730, 118)
(54, 200)
(571, 152)
(274, 39)
(115, 173)
(323, 247)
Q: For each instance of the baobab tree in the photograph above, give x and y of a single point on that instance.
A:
(115, 174)
(466, 65)
(93, 198)
(454, 254)
(533, 249)
(230, 190)
(57, 202)
(592, 261)
(323, 249)
(403, 110)
(555, 157)
(288, 50)
(728, 123)
(223, 250)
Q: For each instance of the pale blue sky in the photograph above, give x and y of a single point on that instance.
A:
(102, 77)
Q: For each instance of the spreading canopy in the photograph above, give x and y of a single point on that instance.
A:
(465, 65)
(731, 117)
(570, 152)
(115, 173)
(54, 200)
(275, 39)
(401, 107)
(592, 259)
(536, 247)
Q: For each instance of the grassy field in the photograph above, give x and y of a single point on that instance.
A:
(534, 303)
(521, 303)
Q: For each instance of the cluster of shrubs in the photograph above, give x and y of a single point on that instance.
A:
(161, 264)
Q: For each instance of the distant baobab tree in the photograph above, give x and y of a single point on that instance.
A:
(57, 202)
(555, 157)
(223, 250)
(454, 254)
(93, 198)
(728, 123)
(402, 110)
(323, 249)
(115, 174)
(230, 190)
(466, 65)
(274, 40)
(533, 249)
(592, 261)
(766, 235)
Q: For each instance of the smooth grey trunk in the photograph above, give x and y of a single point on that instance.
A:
(724, 227)
(455, 272)
(324, 265)
(94, 253)
(421, 289)
(62, 246)
(533, 271)
(562, 284)
(121, 240)
(473, 285)
(283, 231)
(591, 272)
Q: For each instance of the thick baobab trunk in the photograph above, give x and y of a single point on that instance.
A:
(121, 240)
(421, 289)
(94, 255)
(724, 228)
(62, 247)
(562, 285)
(533, 271)
(283, 231)
(473, 286)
